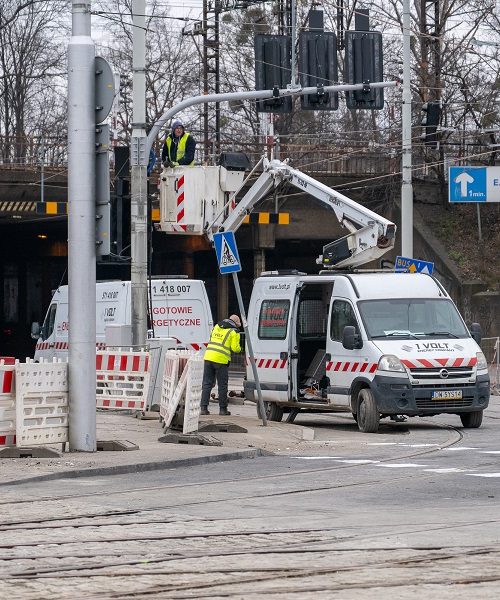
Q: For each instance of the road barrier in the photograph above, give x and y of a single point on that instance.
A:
(7, 401)
(181, 388)
(122, 379)
(41, 403)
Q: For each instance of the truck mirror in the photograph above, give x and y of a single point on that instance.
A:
(351, 339)
(35, 330)
(477, 334)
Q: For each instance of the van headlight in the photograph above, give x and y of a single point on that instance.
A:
(389, 362)
(482, 363)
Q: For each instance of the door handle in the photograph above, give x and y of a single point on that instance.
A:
(51, 345)
(283, 355)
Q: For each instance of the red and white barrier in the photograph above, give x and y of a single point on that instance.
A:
(122, 379)
(7, 401)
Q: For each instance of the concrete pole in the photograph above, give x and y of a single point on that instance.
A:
(139, 184)
(81, 231)
(406, 160)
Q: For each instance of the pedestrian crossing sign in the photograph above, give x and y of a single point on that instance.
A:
(227, 252)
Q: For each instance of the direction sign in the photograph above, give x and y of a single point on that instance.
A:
(227, 252)
(474, 184)
(412, 265)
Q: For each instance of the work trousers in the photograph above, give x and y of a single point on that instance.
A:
(211, 372)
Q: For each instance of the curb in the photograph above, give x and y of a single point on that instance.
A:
(142, 467)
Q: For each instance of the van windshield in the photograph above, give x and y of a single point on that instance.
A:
(409, 318)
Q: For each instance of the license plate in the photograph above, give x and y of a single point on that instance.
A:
(447, 395)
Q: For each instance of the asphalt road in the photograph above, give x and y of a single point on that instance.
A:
(412, 512)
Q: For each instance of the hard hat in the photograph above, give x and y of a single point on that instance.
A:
(235, 320)
(177, 123)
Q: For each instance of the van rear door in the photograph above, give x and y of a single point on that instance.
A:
(273, 310)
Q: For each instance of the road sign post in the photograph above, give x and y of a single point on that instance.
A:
(229, 262)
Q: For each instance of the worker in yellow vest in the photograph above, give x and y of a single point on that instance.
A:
(224, 340)
(179, 147)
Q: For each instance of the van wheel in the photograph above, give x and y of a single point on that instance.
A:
(472, 420)
(274, 412)
(368, 415)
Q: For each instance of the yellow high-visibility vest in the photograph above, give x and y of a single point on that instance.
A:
(222, 343)
(181, 147)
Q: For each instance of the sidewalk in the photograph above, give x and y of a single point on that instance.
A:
(152, 454)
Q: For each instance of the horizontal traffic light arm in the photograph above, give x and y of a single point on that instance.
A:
(140, 156)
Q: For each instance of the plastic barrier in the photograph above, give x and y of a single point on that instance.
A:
(41, 403)
(192, 400)
(181, 386)
(7, 401)
(122, 379)
(169, 382)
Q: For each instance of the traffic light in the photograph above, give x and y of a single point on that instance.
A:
(430, 123)
(364, 64)
(273, 70)
(318, 67)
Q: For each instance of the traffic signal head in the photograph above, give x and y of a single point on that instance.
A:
(318, 67)
(364, 64)
(273, 70)
(430, 123)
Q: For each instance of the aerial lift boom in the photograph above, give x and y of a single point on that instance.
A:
(370, 235)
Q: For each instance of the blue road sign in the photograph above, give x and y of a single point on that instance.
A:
(412, 265)
(227, 252)
(467, 184)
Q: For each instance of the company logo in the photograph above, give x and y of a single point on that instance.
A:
(444, 373)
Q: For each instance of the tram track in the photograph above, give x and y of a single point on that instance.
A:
(422, 452)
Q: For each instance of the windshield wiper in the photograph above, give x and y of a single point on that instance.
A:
(398, 333)
(442, 333)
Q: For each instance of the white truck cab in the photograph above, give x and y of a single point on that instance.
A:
(180, 310)
(376, 344)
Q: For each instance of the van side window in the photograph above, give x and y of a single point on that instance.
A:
(48, 324)
(342, 315)
(273, 319)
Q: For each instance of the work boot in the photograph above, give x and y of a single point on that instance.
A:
(223, 412)
(204, 411)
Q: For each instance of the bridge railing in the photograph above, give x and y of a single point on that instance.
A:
(353, 158)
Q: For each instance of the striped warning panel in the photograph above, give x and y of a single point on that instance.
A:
(18, 206)
(132, 362)
(433, 363)
(264, 218)
(351, 367)
(52, 208)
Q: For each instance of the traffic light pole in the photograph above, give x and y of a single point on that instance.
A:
(81, 231)
(254, 95)
(406, 158)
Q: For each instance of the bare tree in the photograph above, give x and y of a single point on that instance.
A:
(30, 61)
(171, 60)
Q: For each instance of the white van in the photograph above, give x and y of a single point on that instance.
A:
(376, 344)
(180, 310)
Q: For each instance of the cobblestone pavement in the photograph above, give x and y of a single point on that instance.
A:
(400, 518)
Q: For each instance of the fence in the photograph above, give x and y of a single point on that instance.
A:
(491, 349)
